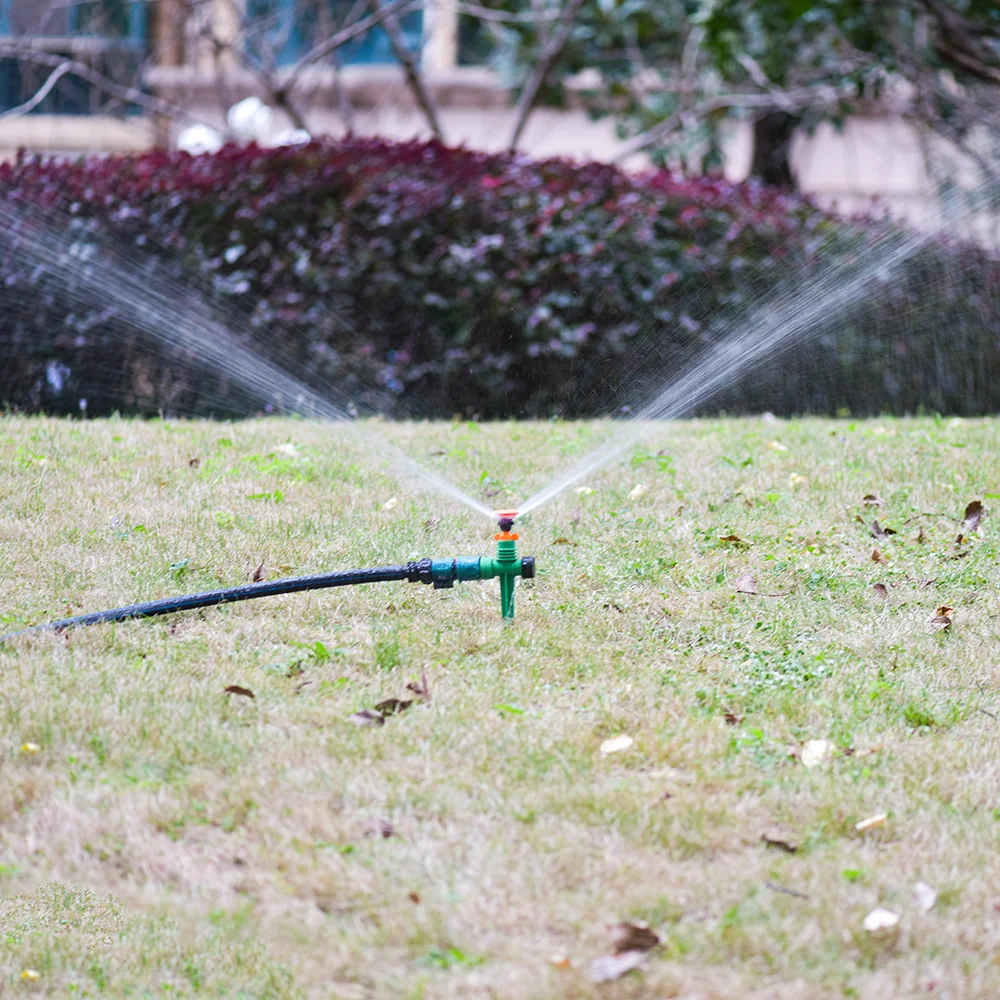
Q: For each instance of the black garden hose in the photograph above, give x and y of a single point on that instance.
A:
(414, 572)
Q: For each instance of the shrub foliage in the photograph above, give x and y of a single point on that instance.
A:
(424, 280)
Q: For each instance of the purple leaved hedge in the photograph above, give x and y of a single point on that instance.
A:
(423, 280)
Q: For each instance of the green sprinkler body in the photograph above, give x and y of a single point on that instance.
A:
(506, 565)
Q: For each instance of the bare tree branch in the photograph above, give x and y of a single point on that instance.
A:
(23, 49)
(504, 17)
(46, 88)
(801, 99)
(550, 53)
(410, 67)
(355, 30)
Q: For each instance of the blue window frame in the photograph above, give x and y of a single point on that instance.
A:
(290, 25)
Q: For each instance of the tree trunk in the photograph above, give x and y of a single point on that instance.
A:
(772, 146)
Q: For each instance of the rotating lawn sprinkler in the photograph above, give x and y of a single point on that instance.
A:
(440, 573)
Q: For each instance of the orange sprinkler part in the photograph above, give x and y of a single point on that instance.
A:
(506, 520)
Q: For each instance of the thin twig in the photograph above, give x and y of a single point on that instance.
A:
(801, 98)
(355, 30)
(46, 88)
(553, 49)
(774, 886)
(990, 714)
(410, 68)
(930, 513)
(504, 17)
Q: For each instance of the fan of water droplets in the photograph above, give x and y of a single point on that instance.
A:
(176, 317)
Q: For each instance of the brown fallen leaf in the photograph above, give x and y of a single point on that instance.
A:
(258, 574)
(944, 611)
(421, 688)
(733, 718)
(943, 622)
(611, 967)
(379, 828)
(878, 531)
(877, 557)
(873, 500)
(960, 539)
(778, 840)
(921, 537)
(392, 706)
(431, 523)
(973, 515)
(366, 717)
(634, 936)
(735, 541)
(746, 584)
(194, 462)
(564, 541)
(414, 897)
(881, 590)
(242, 691)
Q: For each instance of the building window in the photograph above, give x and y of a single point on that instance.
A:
(111, 36)
(283, 31)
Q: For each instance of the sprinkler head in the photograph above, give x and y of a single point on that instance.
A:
(505, 518)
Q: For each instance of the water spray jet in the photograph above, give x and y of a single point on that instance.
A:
(442, 574)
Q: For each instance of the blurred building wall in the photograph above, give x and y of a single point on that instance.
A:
(878, 159)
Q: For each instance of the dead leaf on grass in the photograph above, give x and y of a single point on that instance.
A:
(921, 537)
(733, 718)
(734, 540)
(871, 822)
(379, 828)
(366, 717)
(431, 523)
(610, 967)
(878, 531)
(564, 541)
(877, 557)
(778, 840)
(616, 744)
(924, 896)
(973, 515)
(746, 584)
(634, 936)
(258, 574)
(881, 590)
(873, 500)
(942, 618)
(241, 691)
(392, 706)
(194, 462)
(421, 688)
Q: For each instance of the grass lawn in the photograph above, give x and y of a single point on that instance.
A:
(159, 837)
